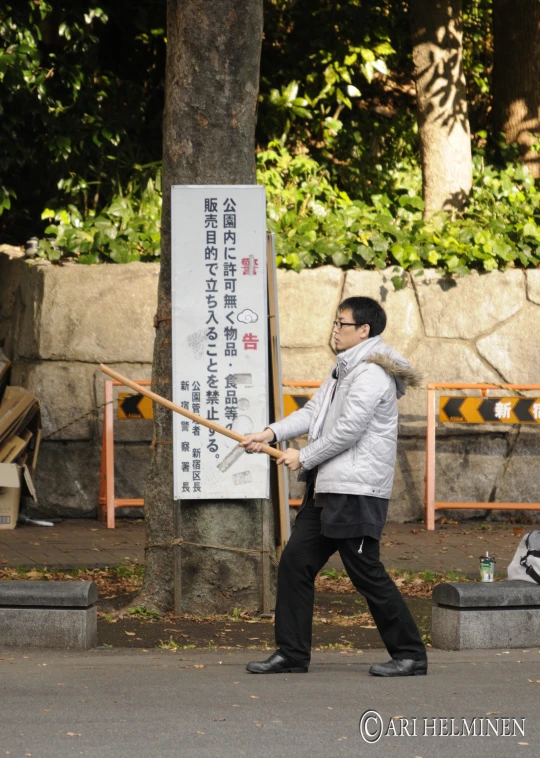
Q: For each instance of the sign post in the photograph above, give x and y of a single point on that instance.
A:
(220, 355)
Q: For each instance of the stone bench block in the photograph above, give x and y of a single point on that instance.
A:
(469, 616)
(48, 614)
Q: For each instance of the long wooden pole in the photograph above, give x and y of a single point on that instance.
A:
(183, 412)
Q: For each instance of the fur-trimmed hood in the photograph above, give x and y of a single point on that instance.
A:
(374, 350)
(402, 372)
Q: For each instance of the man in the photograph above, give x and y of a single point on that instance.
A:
(348, 465)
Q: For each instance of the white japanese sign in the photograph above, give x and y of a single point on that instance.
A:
(220, 338)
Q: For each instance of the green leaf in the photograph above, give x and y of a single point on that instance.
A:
(530, 230)
(88, 258)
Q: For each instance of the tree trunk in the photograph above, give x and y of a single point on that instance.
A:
(211, 91)
(516, 76)
(443, 122)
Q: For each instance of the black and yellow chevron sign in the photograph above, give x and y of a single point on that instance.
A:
(134, 406)
(489, 410)
(292, 403)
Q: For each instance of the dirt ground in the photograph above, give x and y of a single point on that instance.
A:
(341, 621)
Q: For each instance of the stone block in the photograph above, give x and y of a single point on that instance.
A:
(21, 291)
(67, 478)
(457, 629)
(466, 307)
(404, 326)
(441, 362)
(306, 364)
(472, 616)
(467, 470)
(512, 349)
(88, 313)
(48, 614)
(519, 481)
(65, 391)
(407, 501)
(307, 305)
(533, 285)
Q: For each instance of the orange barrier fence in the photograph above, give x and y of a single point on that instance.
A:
(431, 505)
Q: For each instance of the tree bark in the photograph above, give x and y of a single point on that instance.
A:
(211, 91)
(516, 76)
(443, 122)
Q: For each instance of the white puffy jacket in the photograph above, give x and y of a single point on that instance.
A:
(353, 439)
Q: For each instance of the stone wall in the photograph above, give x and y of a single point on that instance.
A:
(58, 322)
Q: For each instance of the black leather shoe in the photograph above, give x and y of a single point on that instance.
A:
(276, 664)
(397, 667)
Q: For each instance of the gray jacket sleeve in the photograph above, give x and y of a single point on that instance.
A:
(299, 422)
(363, 397)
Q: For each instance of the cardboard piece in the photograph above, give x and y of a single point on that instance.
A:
(15, 445)
(17, 408)
(14, 480)
(10, 495)
(20, 436)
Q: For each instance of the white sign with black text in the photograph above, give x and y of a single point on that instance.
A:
(220, 338)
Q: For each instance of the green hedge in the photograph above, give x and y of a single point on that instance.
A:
(316, 224)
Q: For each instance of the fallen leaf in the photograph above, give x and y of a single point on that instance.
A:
(534, 681)
(131, 634)
(254, 697)
(220, 719)
(198, 666)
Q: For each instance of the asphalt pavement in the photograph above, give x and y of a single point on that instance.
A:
(131, 704)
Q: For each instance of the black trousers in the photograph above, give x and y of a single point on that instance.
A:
(304, 556)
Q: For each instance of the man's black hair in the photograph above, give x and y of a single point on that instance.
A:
(365, 310)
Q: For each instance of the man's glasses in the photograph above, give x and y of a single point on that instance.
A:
(339, 324)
